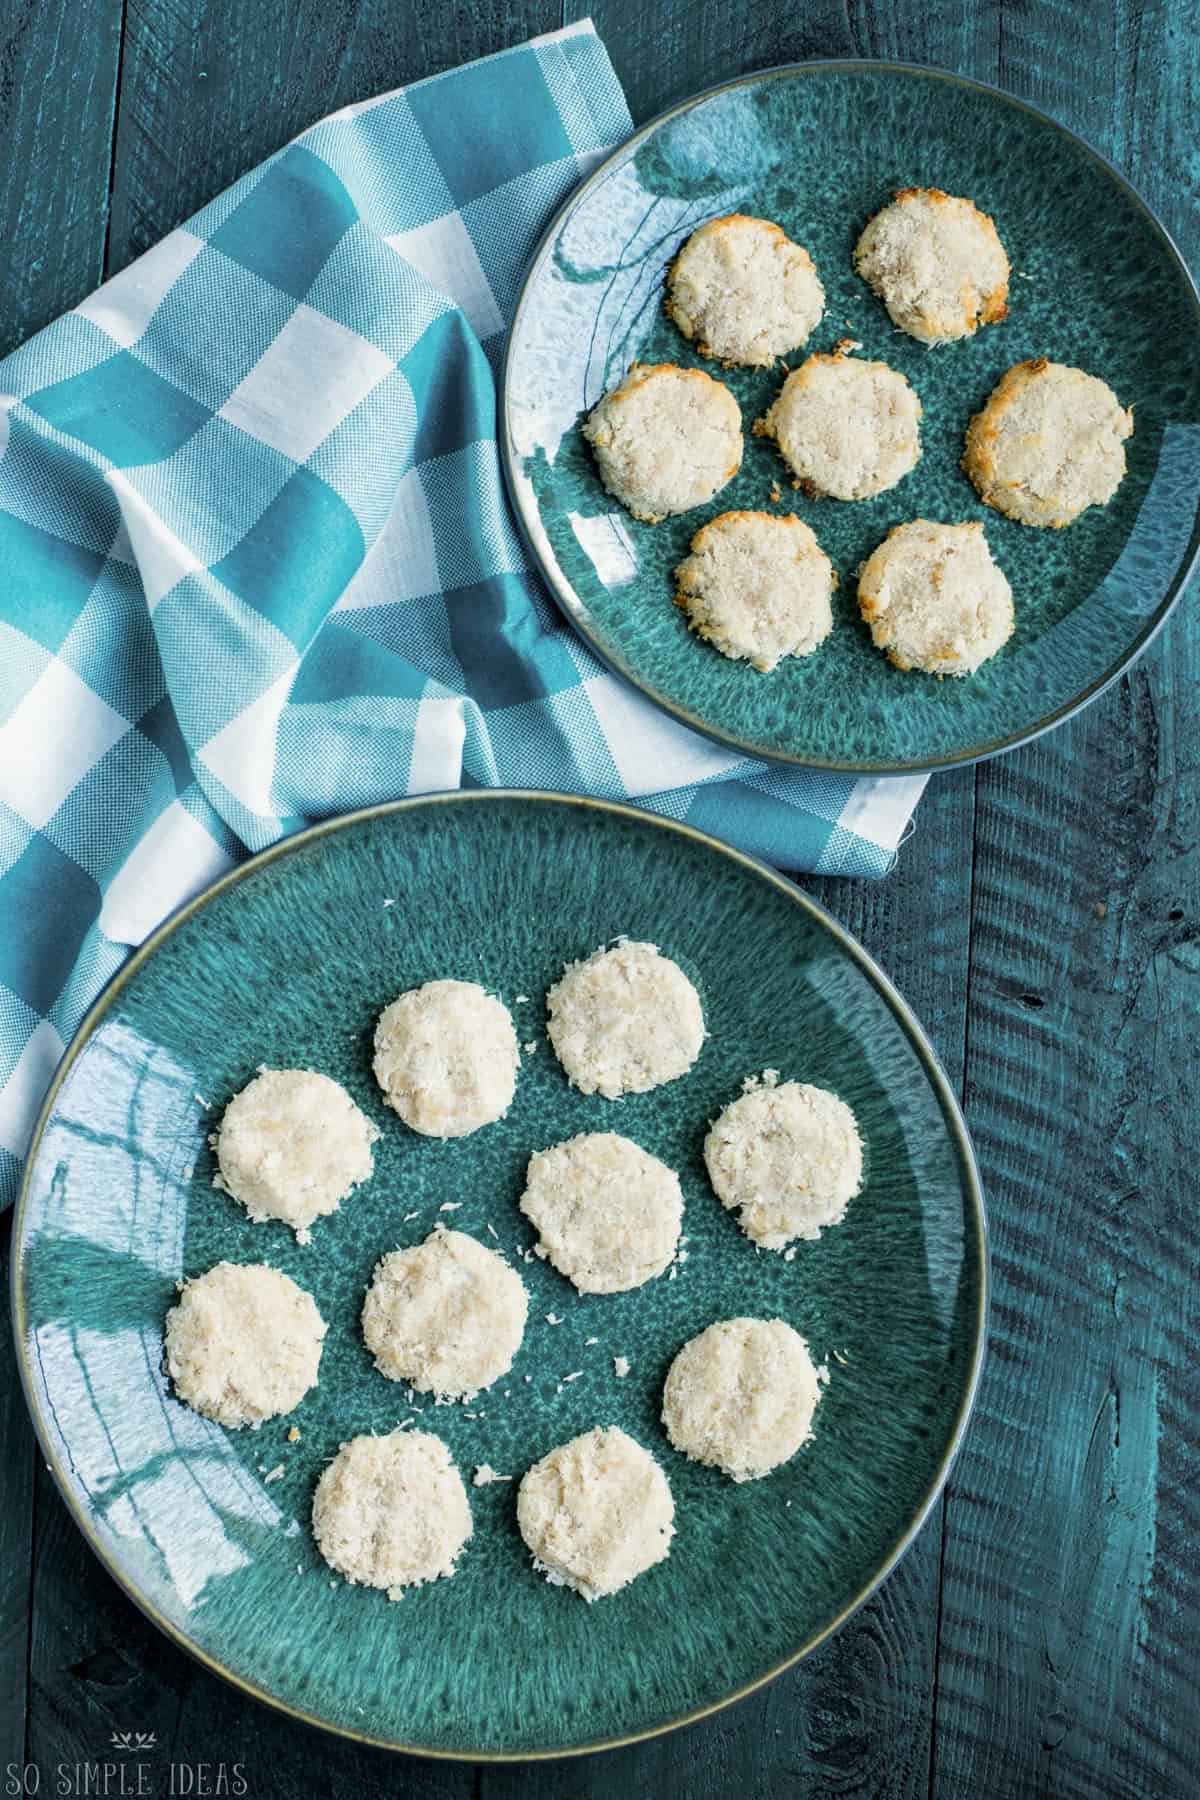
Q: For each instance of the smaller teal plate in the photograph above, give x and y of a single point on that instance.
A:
(819, 147)
(289, 961)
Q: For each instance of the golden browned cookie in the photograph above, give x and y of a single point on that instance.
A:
(666, 439)
(845, 428)
(1049, 443)
(757, 586)
(937, 264)
(743, 292)
(934, 599)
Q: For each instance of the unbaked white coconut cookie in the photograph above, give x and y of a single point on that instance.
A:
(596, 1513)
(845, 427)
(446, 1058)
(758, 587)
(291, 1146)
(446, 1316)
(741, 1397)
(392, 1512)
(787, 1158)
(937, 264)
(607, 1212)
(666, 439)
(743, 292)
(624, 1020)
(935, 599)
(1049, 443)
(243, 1344)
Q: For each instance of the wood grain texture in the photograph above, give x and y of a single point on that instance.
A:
(205, 95)
(58, 84)
(16, 1538)
(1061, 1658)
(1067, 1662)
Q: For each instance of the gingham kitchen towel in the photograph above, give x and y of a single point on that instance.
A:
(256, 562)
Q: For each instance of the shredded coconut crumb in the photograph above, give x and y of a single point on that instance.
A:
(573, 1376)
(529, 1048)
(276, 1474)
(553, 1319)
(521, 1000)
(450, 1206)
(620, 1367)
(789, 1255)
(407, 1217)
(588, 1341)
(485, 1475)
(201, 1101)
(389, 903)
(293, 1436)
(494, 1233)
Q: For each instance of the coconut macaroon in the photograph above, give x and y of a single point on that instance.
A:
(624, 1020)
(243, 1344)
(392, 1512)
(934, 598)
(291, 1146)
(757, 587)
(937, 264)
(596, 1513)
(741, 1397)
(666, 439)
(786, 1157)
(743, 292)
(446, 1058)
(607, 1212)
(846, 428)
(446, 1316)
(1049, 443)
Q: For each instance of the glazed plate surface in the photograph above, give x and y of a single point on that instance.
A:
(819, 148)
(289, 962)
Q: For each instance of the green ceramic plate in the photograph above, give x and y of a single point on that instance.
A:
(820, 147)
(289, 961)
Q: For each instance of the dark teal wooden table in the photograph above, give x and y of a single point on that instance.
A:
(1044, 919)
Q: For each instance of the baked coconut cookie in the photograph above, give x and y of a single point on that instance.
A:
(665, 440)
(757, 586)
(937, 264)
(743, 292)
(846, 427)
(934, 598)
(1049, 443)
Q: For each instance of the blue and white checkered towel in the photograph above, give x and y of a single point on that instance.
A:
(256, 562)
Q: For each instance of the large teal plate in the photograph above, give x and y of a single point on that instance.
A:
(820, 147)
(289, 961)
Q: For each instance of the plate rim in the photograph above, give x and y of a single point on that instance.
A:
(562, 592)
(976, 1226)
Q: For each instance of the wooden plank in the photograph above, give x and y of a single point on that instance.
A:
(1066, 1666)
(207, 92)
(854, 1718)
(664, 53)
(58, 78)
(1067, 1660)
(16, 1541)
